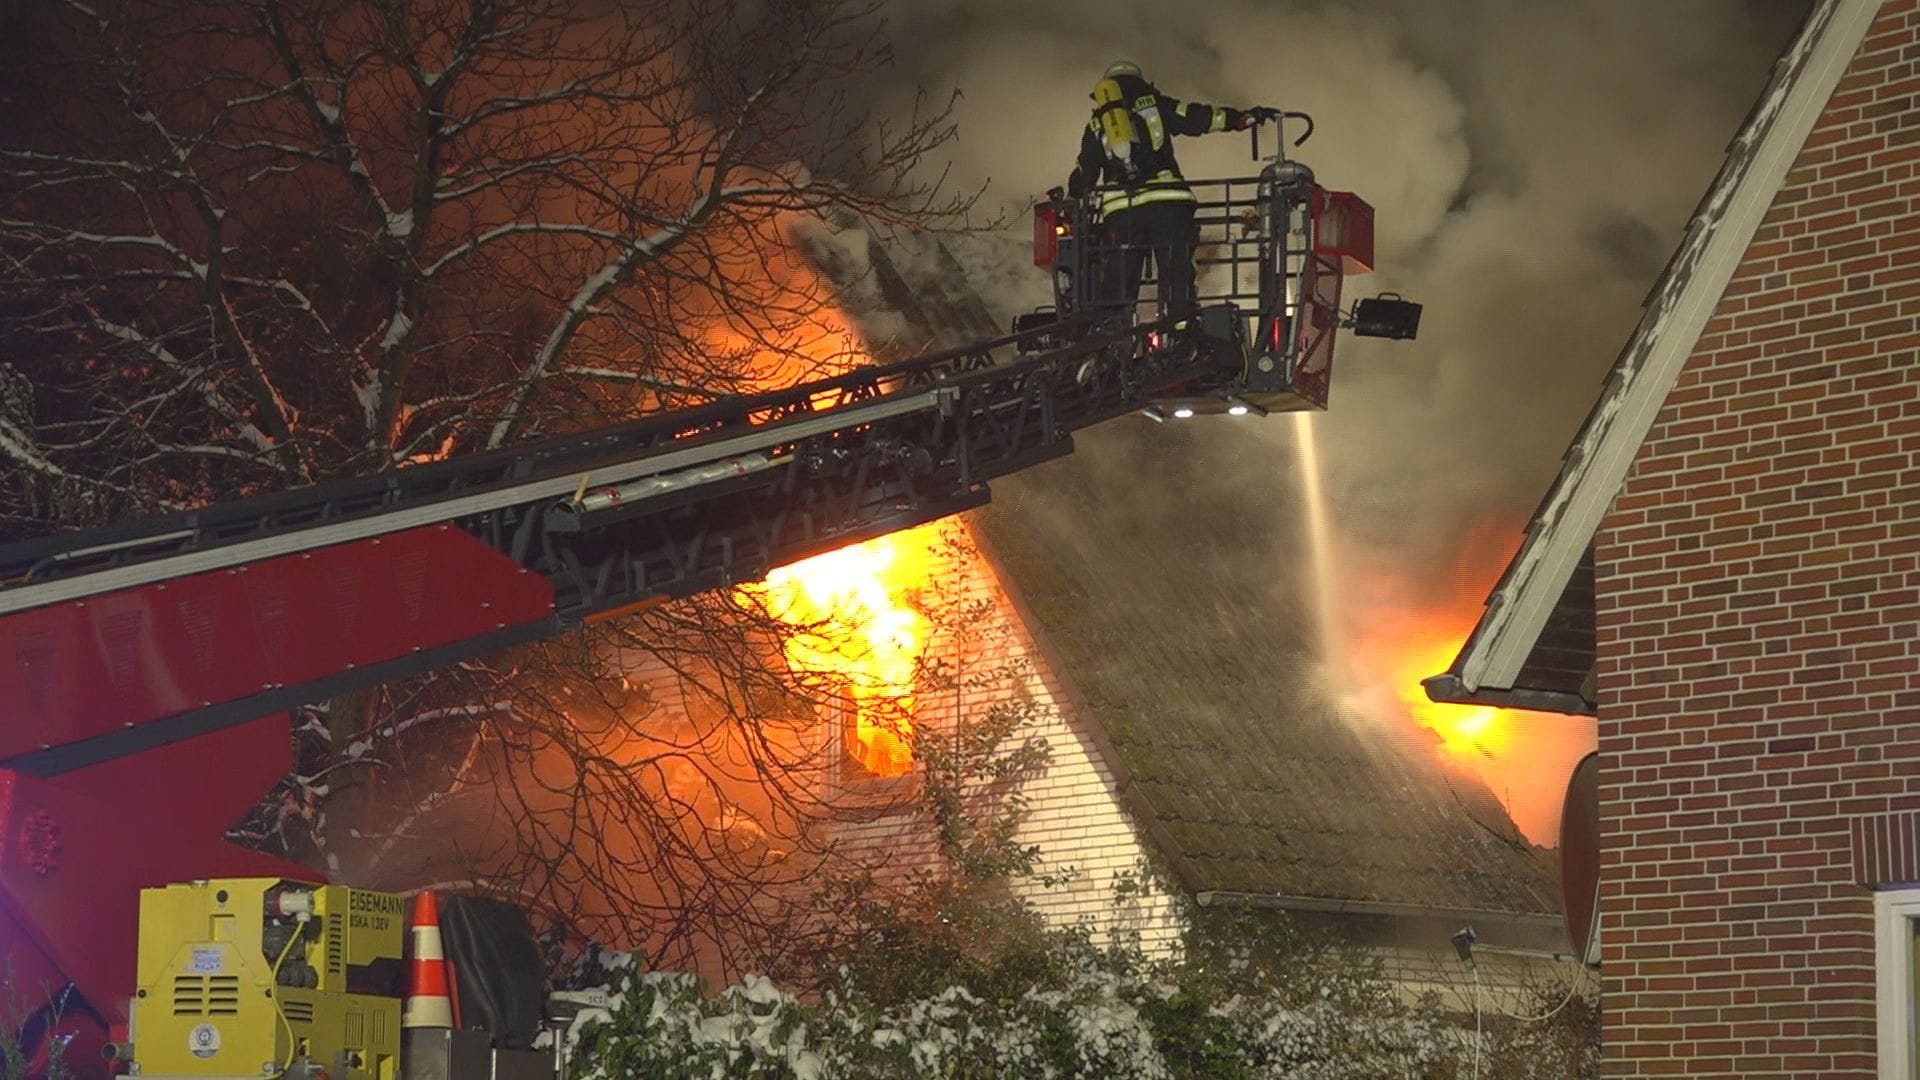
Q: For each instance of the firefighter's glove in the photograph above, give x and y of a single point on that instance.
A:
(1259, 115)
(1078, 183)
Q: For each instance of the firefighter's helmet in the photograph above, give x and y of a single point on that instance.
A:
(1123, 67)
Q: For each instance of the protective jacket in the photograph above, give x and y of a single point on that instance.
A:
(1148, 172)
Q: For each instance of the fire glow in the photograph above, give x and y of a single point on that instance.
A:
(1469, 734)
(859, 636)
(856, 636)
(1524, 758)
(1397, 631)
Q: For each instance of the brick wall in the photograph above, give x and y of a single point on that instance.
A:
(1759, 624)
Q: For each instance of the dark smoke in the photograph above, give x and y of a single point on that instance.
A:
(1532, 166)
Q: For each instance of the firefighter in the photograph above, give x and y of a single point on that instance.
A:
(1128, 147)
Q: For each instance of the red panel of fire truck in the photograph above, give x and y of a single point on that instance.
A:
(91, 667)
(1343, 229)
(1049, 225)
(75, 850)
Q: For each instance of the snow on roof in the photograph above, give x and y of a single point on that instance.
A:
(1490, 665)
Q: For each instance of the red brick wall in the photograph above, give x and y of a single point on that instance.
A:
(1759, 622)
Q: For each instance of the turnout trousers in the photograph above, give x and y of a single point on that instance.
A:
(1164, 229)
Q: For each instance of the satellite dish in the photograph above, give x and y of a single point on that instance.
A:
(1580, 859)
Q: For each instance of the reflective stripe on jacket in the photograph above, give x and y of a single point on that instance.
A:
(1166, 187)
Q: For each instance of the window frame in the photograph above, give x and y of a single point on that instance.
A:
(851, 779)
(848, 731)
(1896, 927)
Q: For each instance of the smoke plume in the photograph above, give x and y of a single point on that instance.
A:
(1532, 166)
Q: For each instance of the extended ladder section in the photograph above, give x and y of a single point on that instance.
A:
(133, 636)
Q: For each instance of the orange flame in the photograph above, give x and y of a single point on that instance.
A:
(859, 636)
(1524, 758)
(1467, 732)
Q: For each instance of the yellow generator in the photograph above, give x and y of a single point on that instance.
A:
(264, 977)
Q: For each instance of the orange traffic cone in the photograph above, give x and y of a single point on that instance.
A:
(429, 1002)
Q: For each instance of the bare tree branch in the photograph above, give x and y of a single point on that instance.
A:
(250, 243)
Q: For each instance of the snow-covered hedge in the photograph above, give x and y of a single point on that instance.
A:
(1106, 1016)
(948, 973)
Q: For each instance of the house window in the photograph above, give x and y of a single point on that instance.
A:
(877, 734)
(1897, 966)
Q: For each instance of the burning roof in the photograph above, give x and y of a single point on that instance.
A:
(1193, 680)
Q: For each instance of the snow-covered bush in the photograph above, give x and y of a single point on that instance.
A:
(26, 1017)
(1097, 1013)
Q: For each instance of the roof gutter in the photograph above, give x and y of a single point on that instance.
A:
(1227, 898)
(1447, 688)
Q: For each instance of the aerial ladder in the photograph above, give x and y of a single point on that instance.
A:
(146, 669)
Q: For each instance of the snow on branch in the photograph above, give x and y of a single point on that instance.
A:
(49, 235)
(518, 228)
(326, 115)
(636, 253)
(362, 746)
(195, 379)
(578, 309)
(23, 449)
